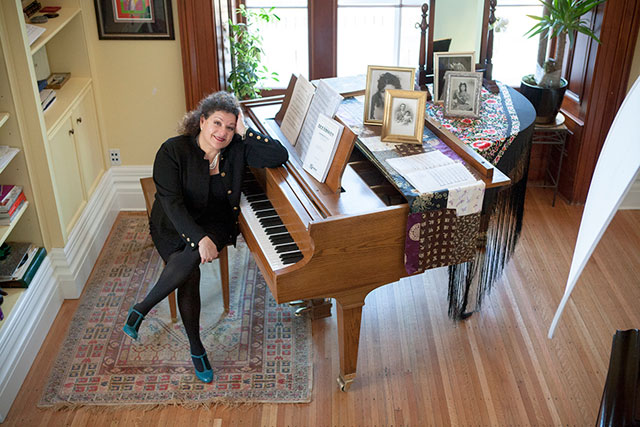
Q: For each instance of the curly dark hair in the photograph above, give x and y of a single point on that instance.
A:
(217, 101)
(388, 79)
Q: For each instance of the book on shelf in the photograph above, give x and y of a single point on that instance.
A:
(6, 154)
(27, 274)
(33, 32)
(47, 96)
(15, 207)
(7, 220)
(8, 196)
(17, 256)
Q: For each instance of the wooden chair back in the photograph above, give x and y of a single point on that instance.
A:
(149, 192)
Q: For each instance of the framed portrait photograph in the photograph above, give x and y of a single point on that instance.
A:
(403, 116)
(462, 94)
(379, 79)
(449, 61)
(134, 19)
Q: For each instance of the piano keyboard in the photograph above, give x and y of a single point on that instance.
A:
(271, 234)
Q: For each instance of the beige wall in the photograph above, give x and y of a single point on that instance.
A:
(139, 88)
(635, 65)
(460, 20)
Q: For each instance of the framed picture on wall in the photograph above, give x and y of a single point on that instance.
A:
(134, 19)
(379, 79)
(449, 61)
(403, 116)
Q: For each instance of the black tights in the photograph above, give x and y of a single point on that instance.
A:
(181, 272)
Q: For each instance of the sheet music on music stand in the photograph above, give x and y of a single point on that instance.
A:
(297, 109)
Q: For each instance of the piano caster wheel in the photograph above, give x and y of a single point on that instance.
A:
(465, 315)
(345, 383)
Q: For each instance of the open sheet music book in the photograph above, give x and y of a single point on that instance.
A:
(322, 147)
(325, 101)
(432, 171)
(297, 110)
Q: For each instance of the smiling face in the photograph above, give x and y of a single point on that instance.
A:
(216, 132)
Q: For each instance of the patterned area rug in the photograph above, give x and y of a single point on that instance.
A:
(260, 352)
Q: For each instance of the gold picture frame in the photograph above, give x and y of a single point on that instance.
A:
(403, 116)
(378, 79)
(462, 94)
(449, 61)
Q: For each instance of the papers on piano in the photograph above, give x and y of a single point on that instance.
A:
(322, 148)
(325, 101)
(433, 171)
(297, 109)
(33, 32)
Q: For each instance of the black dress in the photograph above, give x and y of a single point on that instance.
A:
(190, 203)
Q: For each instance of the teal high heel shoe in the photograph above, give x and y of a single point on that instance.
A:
(206, 375)
(132, 330)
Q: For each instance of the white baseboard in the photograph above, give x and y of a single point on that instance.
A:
(63, 275)
(632, 199)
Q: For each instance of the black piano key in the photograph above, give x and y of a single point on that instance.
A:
(286, 248)
(270, 222)
(263, 214)
(280, 239)
(258, 206)
(275, 230)
(255, 197)
(290, 258)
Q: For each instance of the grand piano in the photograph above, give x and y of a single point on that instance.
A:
(339, 239)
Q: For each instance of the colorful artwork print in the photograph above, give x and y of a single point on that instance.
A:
(133, 11)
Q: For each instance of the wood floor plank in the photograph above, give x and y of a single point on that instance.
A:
(417, 367)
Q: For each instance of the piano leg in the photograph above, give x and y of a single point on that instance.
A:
(349, 316)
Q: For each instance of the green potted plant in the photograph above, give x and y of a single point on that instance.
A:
(246, 53)
(560, 19)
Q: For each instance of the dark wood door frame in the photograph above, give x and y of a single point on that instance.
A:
(618, 34)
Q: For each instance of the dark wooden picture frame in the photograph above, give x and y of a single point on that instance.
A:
(134, 19)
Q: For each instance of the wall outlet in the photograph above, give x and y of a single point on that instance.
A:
(114, 155)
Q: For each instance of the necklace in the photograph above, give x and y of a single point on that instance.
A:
(214, 162)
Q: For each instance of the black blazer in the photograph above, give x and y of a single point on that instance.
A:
(181, 175)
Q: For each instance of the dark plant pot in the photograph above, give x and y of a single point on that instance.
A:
(546, 101)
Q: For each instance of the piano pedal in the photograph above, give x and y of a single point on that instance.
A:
(298, 303)
(316, 308)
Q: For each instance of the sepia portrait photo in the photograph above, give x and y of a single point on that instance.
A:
(449, 61)
(379, 79)
(403, 116)
(462, 94)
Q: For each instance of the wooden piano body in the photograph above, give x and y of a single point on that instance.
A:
(352, 236)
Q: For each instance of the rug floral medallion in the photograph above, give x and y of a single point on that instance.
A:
(260, 351)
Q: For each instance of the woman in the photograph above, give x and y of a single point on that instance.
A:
(462, 98)
(198, 175)
(385, 81)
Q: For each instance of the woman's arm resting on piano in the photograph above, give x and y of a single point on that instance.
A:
(261, 151)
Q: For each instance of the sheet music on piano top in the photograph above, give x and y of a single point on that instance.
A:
(432, 171)
(325, 101)
(297, 110)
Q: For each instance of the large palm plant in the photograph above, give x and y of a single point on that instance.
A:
(561, 18)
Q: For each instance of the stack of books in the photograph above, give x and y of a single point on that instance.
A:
(11, 200)
(21, 263)
(47, 96)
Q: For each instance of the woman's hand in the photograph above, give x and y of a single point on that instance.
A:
(207, 249)
(241, 129)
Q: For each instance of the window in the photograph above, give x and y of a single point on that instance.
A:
(285, 42)
(373, 32)
(379, 32)
(514, 54)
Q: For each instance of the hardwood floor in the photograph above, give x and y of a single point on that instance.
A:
(416, 367)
